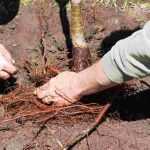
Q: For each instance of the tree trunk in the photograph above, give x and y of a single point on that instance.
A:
(80, 51)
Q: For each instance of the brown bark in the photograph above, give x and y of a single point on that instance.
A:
(80, 52)
(81, 58)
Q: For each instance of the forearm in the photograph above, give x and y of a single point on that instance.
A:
(94, 79)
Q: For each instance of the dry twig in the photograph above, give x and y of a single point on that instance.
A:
(87, 132)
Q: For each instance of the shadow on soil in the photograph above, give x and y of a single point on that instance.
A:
(7, 85)
(124, 107)
(8, 10)
(113, 38)
(131, 108)
(65, 24)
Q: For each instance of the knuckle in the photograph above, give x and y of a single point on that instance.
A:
(38, 93)
(46, 100)
(5, 77)
(2, 47)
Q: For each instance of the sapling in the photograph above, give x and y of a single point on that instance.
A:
(81, 53)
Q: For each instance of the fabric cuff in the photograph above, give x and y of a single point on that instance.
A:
(111, 70)
(147, 32)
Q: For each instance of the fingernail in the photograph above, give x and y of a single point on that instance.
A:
(35, 92)
(13, 61)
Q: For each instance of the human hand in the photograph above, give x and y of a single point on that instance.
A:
(69, 87)
(64, 89)
(7, 67)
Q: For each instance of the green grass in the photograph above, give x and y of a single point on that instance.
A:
(108, 2)
(124, 3)
(26, 2)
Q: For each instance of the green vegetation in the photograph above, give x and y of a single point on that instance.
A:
(124, 3)
(26, 2)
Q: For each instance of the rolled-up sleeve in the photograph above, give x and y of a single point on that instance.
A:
(129, 58)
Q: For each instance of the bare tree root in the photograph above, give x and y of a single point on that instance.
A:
(23, 104)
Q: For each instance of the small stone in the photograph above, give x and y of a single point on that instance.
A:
(14, 45)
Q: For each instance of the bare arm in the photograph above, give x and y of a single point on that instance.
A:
(69, 87)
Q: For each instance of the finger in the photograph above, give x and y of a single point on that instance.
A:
(62, 95)
(4, 75)
(42, 91)
(5, 53)
(57, 101)
(10, 68)
(60, 102)
(48, 99)
(46, 90)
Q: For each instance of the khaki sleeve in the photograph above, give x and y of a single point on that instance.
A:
(129, 58)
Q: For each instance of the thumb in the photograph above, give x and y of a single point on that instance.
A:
(9, 68)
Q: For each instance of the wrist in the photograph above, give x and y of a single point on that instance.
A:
(93, 79)
(87, 82)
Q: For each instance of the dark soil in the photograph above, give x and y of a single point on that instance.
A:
(127, 124)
